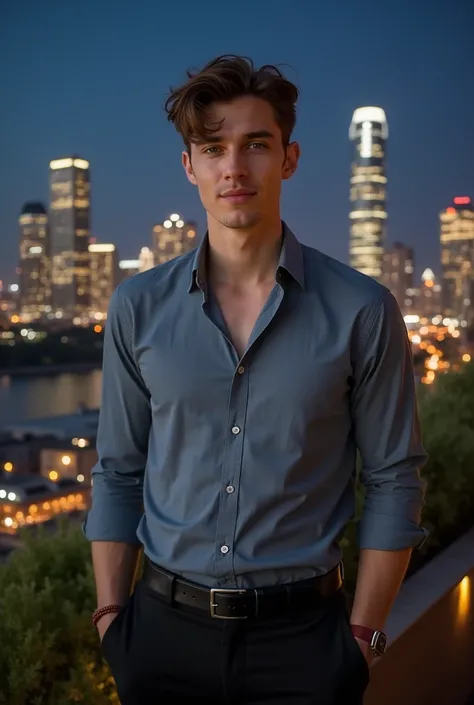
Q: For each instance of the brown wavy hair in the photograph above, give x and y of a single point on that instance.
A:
(223, 79)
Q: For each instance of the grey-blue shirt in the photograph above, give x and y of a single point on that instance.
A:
(240, 472)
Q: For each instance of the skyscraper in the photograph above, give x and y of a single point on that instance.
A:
(128, 268)
(34, 268)
(172, 238)
(104, 276)
(147, 259)
(368, 215)
(69, 235)
(397, 272)
(429, 295)
(457, 258)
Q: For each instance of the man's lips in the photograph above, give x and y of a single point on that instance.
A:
(238, 195)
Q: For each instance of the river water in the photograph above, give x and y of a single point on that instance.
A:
(28, 397)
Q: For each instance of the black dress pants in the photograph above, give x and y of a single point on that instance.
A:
(165, 655)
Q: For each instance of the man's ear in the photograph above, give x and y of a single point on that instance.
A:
(188, 167)
(292, 156)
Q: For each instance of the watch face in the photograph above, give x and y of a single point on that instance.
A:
(379, 643)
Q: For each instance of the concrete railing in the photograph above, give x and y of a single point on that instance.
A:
(430, 659)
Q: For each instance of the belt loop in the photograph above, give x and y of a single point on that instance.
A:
(256, 602)
(170, 585)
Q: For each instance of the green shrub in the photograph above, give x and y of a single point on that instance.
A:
(49, 651)
(447, 419)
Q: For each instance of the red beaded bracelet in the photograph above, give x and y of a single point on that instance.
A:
(108, 609)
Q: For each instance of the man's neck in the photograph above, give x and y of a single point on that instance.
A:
(241, 258)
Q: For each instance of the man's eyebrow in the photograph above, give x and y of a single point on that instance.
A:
(257, 134)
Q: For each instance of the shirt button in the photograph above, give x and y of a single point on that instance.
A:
(235, 430)
(224, 549)
(229, 489)
(241, 370)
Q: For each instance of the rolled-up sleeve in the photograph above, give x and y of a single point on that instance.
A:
(122, 439)
(387, 432)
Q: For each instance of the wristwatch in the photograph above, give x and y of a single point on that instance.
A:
(376, 638)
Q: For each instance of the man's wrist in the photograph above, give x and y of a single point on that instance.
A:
(102, 611)
(374, 638)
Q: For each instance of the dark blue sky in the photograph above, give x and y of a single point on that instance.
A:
(91, 77)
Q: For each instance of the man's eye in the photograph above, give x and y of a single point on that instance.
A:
(257, 145)
(211, 150)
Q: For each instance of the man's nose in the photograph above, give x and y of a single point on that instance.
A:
(235, 165)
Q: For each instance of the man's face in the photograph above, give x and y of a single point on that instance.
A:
(239, 169)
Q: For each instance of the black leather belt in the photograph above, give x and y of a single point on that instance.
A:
(223, 603)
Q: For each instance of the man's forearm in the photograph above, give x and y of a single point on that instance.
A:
(115, 565)
(379, 578)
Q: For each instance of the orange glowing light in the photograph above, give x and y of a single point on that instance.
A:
(97, 329)
(450, 210)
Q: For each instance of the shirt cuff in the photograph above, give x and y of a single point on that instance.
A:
(111, 517)
(387, 532)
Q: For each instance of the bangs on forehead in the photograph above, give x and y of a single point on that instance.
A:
(222, 80)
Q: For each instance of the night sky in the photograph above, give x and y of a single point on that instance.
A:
(91, 77)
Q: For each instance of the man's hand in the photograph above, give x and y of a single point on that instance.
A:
(366, 650)
(104, 623)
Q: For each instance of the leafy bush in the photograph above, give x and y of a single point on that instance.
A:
(49, 652)
(447, 419)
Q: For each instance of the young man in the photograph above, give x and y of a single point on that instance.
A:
(239, 380)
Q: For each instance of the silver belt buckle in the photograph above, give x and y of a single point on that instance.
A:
(213, 604)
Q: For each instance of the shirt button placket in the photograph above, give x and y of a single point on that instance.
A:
(228, 517)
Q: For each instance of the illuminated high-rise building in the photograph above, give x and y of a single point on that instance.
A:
(34, 268)
(128, 268)
(69, 223)
(428, 301)
(147, 259)
(397, 272)
(457, 258)
(368, 194)
(104, 276)
(173, 237)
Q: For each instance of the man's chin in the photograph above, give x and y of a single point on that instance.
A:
(238, 220)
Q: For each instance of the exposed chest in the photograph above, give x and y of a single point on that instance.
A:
(241, 310)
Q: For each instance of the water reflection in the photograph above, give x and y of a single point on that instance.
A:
(28, 397)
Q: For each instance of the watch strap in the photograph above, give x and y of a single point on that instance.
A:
(362, 633)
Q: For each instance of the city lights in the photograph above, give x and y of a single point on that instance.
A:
(8, 467)
(102, 247)
(61, 163)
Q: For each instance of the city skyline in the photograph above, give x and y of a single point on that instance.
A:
(117, 123)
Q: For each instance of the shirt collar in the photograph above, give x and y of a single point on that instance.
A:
(291, 260)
